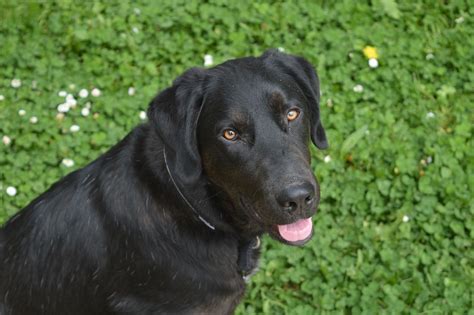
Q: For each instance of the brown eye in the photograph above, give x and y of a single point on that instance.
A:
(292, 114)
(230, 134)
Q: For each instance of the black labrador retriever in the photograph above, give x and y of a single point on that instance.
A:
(168, 221)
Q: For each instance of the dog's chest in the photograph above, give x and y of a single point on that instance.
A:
(197, 280)
(175, 290)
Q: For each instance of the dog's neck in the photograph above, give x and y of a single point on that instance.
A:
(249, 249)
(197, 214)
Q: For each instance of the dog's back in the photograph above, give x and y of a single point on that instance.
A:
(37, 245)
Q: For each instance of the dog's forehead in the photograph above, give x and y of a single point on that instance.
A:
(248, 90)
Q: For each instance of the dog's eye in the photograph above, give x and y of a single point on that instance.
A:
(230, 134)
(292, 114)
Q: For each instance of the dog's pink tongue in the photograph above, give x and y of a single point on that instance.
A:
(297, 231)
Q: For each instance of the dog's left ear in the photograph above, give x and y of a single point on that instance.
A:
(318, 134)
(305, 76)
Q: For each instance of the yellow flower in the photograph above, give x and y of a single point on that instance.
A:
(370, 52)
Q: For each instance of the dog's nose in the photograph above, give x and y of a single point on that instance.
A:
(296, 197)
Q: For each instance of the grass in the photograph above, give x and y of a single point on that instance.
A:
(395, 229)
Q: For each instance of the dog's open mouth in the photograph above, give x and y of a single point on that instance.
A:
(296, 233)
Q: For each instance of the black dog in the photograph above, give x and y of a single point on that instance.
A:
(168, 221)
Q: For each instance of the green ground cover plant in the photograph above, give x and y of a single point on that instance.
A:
(395, 229)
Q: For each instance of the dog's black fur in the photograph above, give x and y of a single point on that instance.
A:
(166, 221)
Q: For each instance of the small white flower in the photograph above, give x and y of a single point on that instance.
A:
(281, 49)
(74, 128)
(33, 119)
(2, 97)
(68, 162)
(95, 92)
(22, 112)
(85, 111)
(131, 91)
(406, 218)
(429, 56)
(16, 83)
(327, 159)
(62, 93)
(142, 115)
(72, 86)
(459, 20)
(373, 63)
(11, 191)
(63, 108)
(358, 88)
(135, 29)
(208, 60)
(83, 93)
(71, 102)
(430, 115)
(6, 140)
(429, 160)
(137, 11)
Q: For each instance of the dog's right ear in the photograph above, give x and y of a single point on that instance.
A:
(174, 114)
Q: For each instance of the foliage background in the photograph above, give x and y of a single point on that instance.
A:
(400, 148)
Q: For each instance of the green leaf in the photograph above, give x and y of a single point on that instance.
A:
(353, 139)
(391, 8)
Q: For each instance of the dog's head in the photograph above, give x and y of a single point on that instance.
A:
(244, 128)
